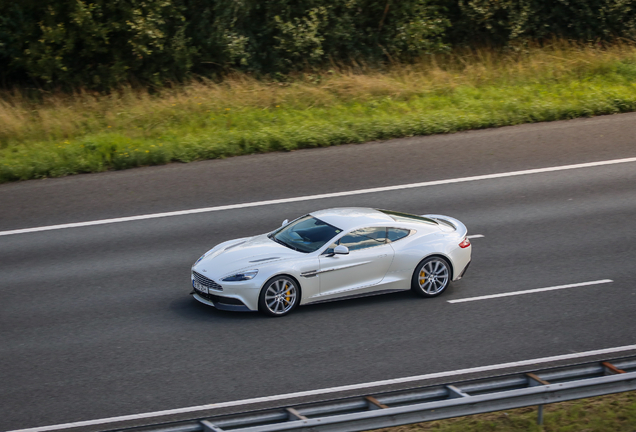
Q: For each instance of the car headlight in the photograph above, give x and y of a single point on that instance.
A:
(246, 275)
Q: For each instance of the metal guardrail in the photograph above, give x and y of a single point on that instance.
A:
(428, 403)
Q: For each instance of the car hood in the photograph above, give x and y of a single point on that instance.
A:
(250, 253)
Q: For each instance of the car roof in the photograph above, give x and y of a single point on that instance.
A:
(348, 218)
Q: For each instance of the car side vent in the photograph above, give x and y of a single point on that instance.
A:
(265, 259)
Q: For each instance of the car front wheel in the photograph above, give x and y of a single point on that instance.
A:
(279, 296)
(431, 277)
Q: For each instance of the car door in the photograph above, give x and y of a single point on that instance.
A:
(370, 256)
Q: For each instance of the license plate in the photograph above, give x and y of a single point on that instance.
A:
(199, 287)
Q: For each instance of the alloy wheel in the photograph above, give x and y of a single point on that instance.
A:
(433, 276)
(280, 296)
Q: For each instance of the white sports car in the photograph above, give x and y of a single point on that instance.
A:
(330, 255)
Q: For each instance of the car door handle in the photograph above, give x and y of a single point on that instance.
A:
(381, 256)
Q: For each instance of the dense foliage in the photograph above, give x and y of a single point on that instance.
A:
(100, 44)
(500, 22)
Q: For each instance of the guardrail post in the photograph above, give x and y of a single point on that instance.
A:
(374, 403)
(533, 381)
(210, 427)
(294, 415)
(611, 369)
(454, 392)
(540, 415)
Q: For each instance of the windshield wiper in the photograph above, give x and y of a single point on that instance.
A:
(284, 244)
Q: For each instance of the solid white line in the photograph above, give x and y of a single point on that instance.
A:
(531, 291)
(331, 389)
(475, 236)
(319, 196)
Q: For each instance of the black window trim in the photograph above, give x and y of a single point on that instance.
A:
(386, 231)
(410, 230)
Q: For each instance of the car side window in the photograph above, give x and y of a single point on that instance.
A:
(395, 234)
(361, 239)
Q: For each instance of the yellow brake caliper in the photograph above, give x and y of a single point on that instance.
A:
(288, 298)
(422, 277)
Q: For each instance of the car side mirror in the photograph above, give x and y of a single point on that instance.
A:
(285, 222)
(341, 250)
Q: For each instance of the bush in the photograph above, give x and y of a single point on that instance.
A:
(102, 44)
(500, 22)
(282, 35)
(98, 44)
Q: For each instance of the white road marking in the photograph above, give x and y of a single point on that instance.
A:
(319, 196)
(330, 390)
(475, 236)
(531, 291)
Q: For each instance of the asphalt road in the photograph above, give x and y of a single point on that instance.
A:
(97, 322)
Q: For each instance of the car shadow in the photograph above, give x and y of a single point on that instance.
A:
(188, 308)
(344, 304)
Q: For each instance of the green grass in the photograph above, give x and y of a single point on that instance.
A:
(612, 413)
(61, 134)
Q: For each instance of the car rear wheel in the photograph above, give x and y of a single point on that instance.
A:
(279, 296)
(431, 277)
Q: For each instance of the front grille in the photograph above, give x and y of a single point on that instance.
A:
(206, 282)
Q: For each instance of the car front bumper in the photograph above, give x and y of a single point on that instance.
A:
(221, 303)
(233, 296)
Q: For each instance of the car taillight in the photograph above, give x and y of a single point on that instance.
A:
(465, 243)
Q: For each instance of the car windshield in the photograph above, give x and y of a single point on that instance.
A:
(306, 234)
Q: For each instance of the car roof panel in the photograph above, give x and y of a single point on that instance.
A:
(348, 218)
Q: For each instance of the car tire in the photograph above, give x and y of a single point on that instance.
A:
(431, 277)
(280, 295)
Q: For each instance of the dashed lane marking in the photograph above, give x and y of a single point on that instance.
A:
(531, 291)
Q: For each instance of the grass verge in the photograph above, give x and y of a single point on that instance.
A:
(67, 134)
(611, 413)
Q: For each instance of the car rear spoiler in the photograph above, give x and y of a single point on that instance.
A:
(449, 221)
